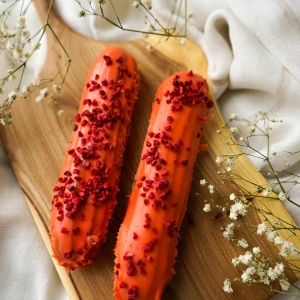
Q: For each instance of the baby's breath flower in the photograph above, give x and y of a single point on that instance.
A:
(271, 234)
(21, 22)
(279, 268)
(267, 127)
(261, 228)
(256, 251)
(243, 243)
(219, 159)
(232, 117)
(228, 231)
(266, 280)
(235, 261)
(282, 196)
(237, 209)
(203, 182)
(10, 47)
(18, 52)
(284, 284)
(211, 188)
(25, 34)
(81, 13)
(25, 91)
(42, 95)
(272, 275)
(232, 197)
(147, 4)
(234, 130)
(135, 4)
(278, 240)
(37, 80)
(275, 272)
(228, 162)
(11, 74)
(246, 276)
(265, 192)
(60, 112)
(207, 207)
(227, 286)
(246, 258)
(288, 249)
(12, 96)
(56, 88)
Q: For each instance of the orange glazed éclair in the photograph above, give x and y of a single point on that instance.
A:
(85, 195)
(147, 240)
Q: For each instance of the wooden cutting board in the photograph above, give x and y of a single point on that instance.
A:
(38, 138)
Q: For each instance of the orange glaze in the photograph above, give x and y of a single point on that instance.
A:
(147, 240)
(85, 195)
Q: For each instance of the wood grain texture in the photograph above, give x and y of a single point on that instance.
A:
(38, 138)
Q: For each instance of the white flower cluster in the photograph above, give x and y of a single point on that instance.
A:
(238, 209)
(227, 162)
(14, 40)
(146, 3)
(227, 286)
(210, 187)
(42, 95)
(258, 270)
(255, 268)
(207, 207)
(81, 13)
(243, 243)
(228, 231)
(17, 44)
(240, 206)
(287, 248)
(211, 204)
(262, 122)
(234, 130)
(282, 196)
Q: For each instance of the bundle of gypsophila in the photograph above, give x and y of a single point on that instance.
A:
(255, 266)
(20, 45)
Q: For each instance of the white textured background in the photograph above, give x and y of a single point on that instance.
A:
(253, 50)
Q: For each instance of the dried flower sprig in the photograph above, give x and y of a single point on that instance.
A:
(254, 266)
(20, 46)
(152, 24)
(246, 134)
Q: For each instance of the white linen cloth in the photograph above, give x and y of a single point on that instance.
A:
(253, 51)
